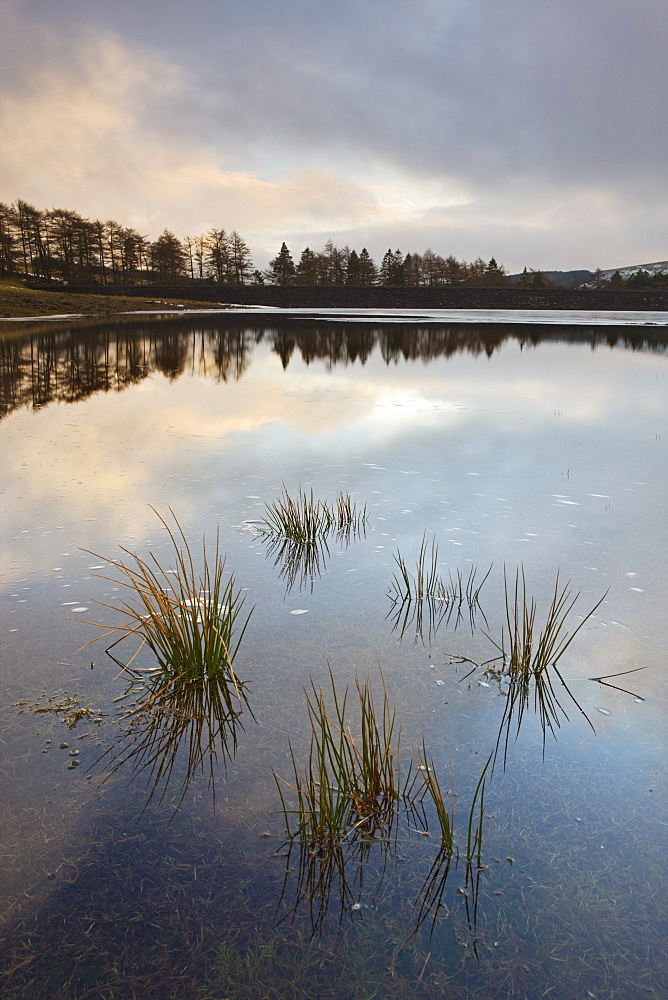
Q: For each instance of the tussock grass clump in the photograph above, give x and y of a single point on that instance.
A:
(305, 520)
(424, 598)
(351, 784)
(352, 790)
(426, 582)
(528, 654)
(192, 621)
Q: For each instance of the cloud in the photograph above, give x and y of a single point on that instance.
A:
(524, 130)
(93, 128)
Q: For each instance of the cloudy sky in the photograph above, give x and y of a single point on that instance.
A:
(535, 131)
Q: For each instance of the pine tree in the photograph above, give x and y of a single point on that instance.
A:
(281, 269)
(368, 272)
(392, 268)
(306, 272)
(353, 269)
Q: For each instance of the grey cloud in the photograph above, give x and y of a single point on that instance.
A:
(474, 88)
(550, 117)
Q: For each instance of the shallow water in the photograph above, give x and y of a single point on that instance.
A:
(512, 447)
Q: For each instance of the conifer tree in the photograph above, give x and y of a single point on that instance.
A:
(282, 268)
(368, 272)
(306, 272)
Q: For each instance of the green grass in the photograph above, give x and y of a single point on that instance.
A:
(193, 621)
(352, 791)
(351, 783)
(305, 520)
(529, 655)
(423, 598)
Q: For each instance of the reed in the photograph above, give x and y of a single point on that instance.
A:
(426, 583)
(305, 520)
(193, 622)
(432, 787)
(531, 653)
(352, 783)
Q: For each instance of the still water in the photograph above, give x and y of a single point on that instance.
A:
(516, 448)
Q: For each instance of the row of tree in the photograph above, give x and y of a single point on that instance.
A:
(59, 243)
(62, 244)
(640, 279)
(335, 265)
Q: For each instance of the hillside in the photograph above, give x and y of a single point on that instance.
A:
(660, 267)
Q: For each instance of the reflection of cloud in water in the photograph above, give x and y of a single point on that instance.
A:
(515, 413)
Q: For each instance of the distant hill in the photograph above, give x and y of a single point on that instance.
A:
(572, 279)
(566, 279)
(660, 267)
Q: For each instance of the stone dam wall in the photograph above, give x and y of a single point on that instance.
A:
(384, 297)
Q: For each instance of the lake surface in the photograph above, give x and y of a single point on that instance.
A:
(507, 446)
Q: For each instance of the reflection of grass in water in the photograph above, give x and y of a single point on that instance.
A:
(192, 716)
(300, 563)
(305, 519)
(188, 620)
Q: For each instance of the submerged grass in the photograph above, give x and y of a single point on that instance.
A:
(193, 622)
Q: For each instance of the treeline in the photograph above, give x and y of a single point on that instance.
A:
(62, 244)
(335, 265)
(640, 279)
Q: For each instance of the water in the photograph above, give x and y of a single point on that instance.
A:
(515, 447)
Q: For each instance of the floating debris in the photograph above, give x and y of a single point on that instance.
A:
(61, 703)
(300, 611)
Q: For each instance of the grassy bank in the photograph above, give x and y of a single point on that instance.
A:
(16, 301)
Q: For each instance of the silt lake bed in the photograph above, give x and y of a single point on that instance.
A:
(476, 618)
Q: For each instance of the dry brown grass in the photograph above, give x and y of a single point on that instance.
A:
(18, 301)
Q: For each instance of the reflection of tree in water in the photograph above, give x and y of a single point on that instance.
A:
(49, 363)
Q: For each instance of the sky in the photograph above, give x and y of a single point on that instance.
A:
(534, 131)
